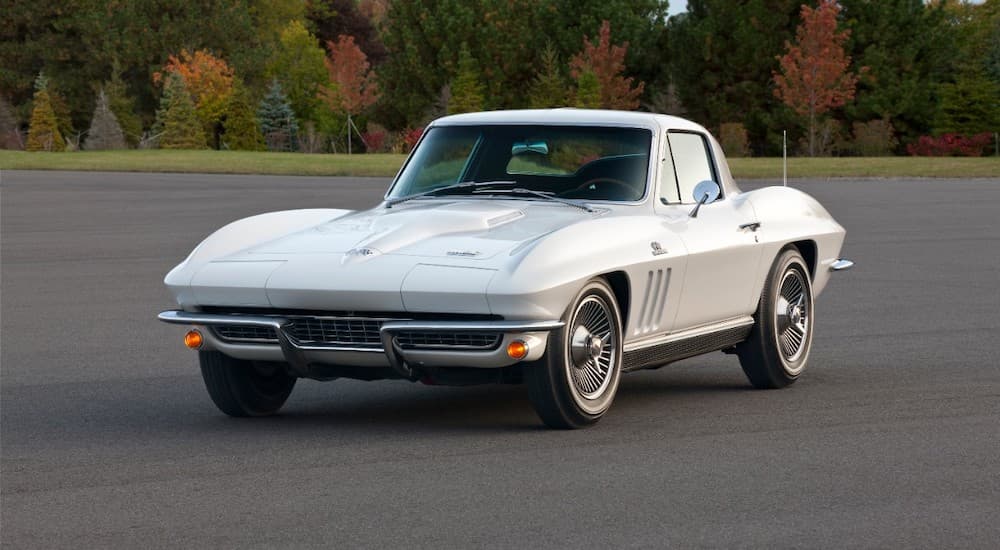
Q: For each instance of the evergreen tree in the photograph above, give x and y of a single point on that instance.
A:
(466, 88)
(241, 130)
(277, 120)
(43, 132)
(298, 63)
(722, 55)
(123, 106)
(105, 132)
(181, 127)
(970, 105)
(588, 91)
(548, 88)
(906, 48)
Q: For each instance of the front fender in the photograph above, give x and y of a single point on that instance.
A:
(541, 280)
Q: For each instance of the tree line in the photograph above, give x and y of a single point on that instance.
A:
(845, 77)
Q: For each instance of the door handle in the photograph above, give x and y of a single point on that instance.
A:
(752, 226)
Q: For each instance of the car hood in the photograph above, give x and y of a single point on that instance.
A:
(434, 255)
(465, 229)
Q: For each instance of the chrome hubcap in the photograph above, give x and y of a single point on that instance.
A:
(592, 349)
(792, 316)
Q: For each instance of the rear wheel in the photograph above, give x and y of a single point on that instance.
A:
(575, 383)
(776, 353)
(244, 388)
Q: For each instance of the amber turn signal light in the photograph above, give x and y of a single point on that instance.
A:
(517, 349)
(193, 339)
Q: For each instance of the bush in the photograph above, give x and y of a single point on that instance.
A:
(875, 138)
(411, 137)
(734, 139)
(950, 145)
(375, 138)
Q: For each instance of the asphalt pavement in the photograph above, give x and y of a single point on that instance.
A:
(108, 439)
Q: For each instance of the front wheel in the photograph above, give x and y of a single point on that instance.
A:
(776, 352)
(244, 388)
(575, 383)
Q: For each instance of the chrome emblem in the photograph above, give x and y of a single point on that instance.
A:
(361, 252)
(657, 249)
(464, 253)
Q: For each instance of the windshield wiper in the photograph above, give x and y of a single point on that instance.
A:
(473, 185)
(548, 195)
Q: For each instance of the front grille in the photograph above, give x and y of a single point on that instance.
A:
(243, 333)
(412, 339)
(357, 332)
(335, 331)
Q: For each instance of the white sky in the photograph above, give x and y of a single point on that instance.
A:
(677, 6)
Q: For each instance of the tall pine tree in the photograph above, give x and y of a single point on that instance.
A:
(548, 88)
(43, 132)
(105, 132)
(277, 120)
(181, 127)
(466, 88)
(242, 132)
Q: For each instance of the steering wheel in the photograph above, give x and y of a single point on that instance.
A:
(603, 181)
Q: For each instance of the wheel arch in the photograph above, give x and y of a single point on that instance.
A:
(807, 248)
(621, 287)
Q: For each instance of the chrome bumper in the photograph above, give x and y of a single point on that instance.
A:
(841, 265)
(299, 356)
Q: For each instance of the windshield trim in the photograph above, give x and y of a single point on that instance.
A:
(652, 173)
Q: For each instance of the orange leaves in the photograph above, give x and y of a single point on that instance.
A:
(209, 80)
(607, 62)
(814, 76)
(353, 87)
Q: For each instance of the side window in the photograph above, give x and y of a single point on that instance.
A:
(692, 162)
(668, 178)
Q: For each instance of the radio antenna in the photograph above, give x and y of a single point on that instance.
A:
(784, 158)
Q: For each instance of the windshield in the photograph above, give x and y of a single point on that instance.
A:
(571, 162)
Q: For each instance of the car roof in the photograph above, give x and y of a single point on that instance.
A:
(571, 116)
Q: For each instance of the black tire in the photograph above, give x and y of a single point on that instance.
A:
(782, 326)
(559, 387)
(244, 388)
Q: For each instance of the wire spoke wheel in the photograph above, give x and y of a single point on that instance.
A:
(592, 352)
(792, 316)
(777, 349)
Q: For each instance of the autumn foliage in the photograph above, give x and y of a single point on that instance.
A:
(208, 79)
(607, 62)
(814, 76)
(353, 86)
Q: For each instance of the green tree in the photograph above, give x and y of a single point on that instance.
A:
(466, 89)
(503, 38)
(298, 63)
(905, 46)
(181, 127)
(548, 87)
(968, 106)
(242, 131)
(721, 55)
(123, 106)
(105, 132)
(588, 91)
(43, 132)
(277, 120)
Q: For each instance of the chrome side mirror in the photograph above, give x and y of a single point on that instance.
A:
(705, 192)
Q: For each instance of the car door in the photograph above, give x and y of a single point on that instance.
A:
(721, 239)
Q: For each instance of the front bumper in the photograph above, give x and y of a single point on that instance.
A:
(390, 353)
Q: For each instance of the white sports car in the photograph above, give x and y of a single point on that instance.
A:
(557, 248)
